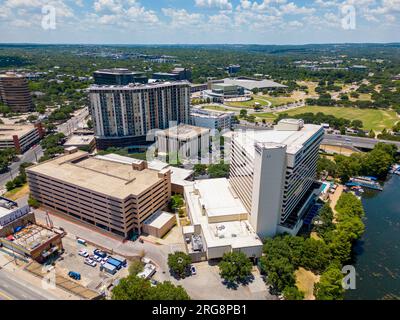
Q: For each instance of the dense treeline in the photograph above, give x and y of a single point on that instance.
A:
(285, 254)
(318, 118)
(375, 163)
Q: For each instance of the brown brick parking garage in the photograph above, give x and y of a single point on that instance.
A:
(112, 196)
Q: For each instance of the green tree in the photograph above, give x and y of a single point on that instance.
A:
(324, 222)
(357, 124)
(176, 202)
(10, 185)
(279, 272)
(243, 113)
(179, 263)
(200, 169)
(325, 164)
(168, 291)
(330, 285)
(32, 202)
(235, 267)
(4, 110)
(372, 134)
(293, 293)
(131, 288)
(220, 170)
(340, 245)
(136, 267)
(316, 255)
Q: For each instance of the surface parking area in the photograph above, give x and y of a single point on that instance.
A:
(92, 277)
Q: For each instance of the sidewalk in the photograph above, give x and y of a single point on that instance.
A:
(18, 274)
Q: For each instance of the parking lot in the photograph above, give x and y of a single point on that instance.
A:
(91, 277)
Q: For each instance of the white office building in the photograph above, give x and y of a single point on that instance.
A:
(185, 141)
(219, 222)
(212, 119)
(273, 172)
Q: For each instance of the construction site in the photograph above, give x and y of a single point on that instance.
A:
(33, 241)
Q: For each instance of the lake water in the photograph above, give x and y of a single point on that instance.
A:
(377, 258)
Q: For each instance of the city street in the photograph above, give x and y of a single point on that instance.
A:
(32, 155)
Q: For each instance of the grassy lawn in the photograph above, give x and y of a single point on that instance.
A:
(215, 108)
(267, 116)
(276, 101)
(372, 118)
(364, 97)
(305, 281)
(17, 193)
(310, 85)
(247, 104)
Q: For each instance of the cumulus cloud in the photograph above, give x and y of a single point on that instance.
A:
(220, 4)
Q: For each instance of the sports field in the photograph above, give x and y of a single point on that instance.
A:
(371, 118)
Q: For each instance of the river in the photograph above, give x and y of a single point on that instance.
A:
(377, 254)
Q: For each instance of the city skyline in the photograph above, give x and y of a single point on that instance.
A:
(199, 21)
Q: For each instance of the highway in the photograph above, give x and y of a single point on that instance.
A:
(357, 142)
(12, 288)
(32, 155)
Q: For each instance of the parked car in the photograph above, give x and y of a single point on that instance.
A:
(83, 253)
(193, 270)
(74, 275)
(81, 241)
(100, 253)
(98, 259)
(90, 262)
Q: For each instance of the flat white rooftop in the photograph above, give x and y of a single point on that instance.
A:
(159, 219)
(251, 84)
(294, 140)
(218, 200)
(183, 131)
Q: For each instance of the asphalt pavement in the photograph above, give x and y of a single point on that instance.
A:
(12, 288)
(32, 155)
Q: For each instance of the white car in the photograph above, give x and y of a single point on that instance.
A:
(90, 262)
(83, 253)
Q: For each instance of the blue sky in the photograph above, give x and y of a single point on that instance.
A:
(201, 21)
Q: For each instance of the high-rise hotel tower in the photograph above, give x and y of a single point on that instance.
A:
(124, 115)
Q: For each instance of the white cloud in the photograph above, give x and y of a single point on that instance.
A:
(180, 17)
(220, 4)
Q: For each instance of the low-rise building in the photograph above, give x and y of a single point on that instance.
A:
(104, 192)
(251, 83)
(221, 92)
(212, 119)
(35, 242)
(188, 142)
(82, 142)
(159, 224)
(198, 87)
(12, 216)
(20, 137)
(219, 222)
